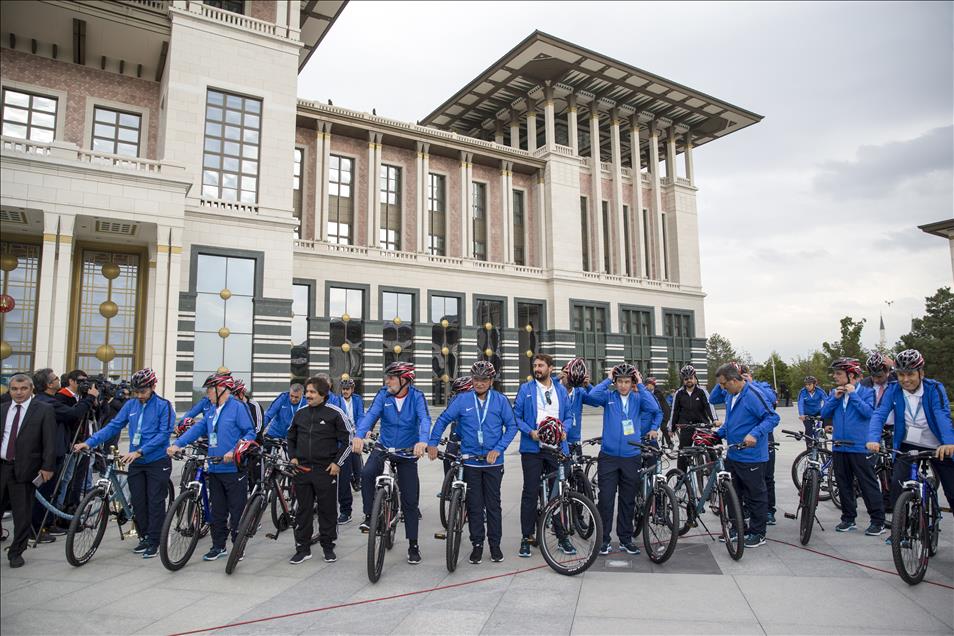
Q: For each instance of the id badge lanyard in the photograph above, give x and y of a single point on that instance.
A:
(214, 433)
(481, 417)
(137, 436)
(628, 428)
(914, 416)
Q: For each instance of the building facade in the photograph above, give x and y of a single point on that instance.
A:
(168, 200)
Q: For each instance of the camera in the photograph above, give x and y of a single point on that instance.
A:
(83, 387)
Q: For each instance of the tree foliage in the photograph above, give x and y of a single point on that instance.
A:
(718, 351)
(849, 346)
(933, 336)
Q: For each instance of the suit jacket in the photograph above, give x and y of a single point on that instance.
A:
(36, 440)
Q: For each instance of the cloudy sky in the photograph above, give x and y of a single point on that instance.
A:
(807, 217)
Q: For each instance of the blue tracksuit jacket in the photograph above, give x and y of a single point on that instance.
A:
(495, 433)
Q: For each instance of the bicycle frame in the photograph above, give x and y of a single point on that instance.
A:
(719, 472)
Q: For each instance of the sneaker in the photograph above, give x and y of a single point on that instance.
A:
(606, 548)
(214, 553)
(875, 529)
(150, 552)
(732, 535)
(496, 554)
(16, 561)
(365, 525)
(330, 556)
(55, 531)
(524, 548)
(141, 546)
(770, 521)
(477, 554)
(753, 540)
(566, 546)
(300, 557)
(413, 555)
(629, 548)
(845, 526)
(45, 537)
(343, 519)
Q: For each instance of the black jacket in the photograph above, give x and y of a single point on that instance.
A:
(68, 416)
(319, 436)
(36, 440)
(663, 404)
(691, 408)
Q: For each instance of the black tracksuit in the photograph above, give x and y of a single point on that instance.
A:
(317, 438)
(689, 408)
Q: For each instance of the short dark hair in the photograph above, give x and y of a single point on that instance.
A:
(75, 375)
(545, 357)
(321, 384)
(729, 372)
(41, 379)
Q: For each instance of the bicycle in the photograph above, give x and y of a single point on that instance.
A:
(808, 493)
(585, 468)
(277, 447)
(699, 459)
(189, 518)
(824, 457)
(107, 498)
(382, 524)
(265, 492)
(656, 515)
(882, 475)
(718, 491)
(916, 524)
(457, 507)
(563, 510)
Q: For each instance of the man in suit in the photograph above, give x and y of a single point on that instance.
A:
(27, 457)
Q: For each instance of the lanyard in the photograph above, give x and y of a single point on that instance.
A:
(481, 416)
(907, 409)
(137, 437)
(624, 404)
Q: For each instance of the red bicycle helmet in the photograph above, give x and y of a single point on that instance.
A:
(143, 379)
(483, 370)
(183, 426)
(550, 431)
(909, 360)
(878, 363)
(240, 388)
(462, 384)
(576, 372)
(848, 365)
(649, 380)
(244, 450)
(220, 380)
(705, 438)
(624, 370)
(403, 370)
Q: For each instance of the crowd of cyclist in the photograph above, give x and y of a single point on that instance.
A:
(324, 433)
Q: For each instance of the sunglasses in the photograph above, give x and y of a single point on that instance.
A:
(546, 395)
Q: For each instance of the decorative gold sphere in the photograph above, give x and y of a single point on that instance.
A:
(110, 271)
(105, 353)
(488, 325)
(444, 323)
(445, 378)
(108, 309)
(3, 389)
(529, 328)
(225, 294)
(397, 349)
(225, 332)
(223, 371)
(445, 351)
(488, 352)
(346, 347)
(5, 350)
(345, 317)
(8, 262)
(529, 377)
(529, 353)
(345, 376)
(397, 320)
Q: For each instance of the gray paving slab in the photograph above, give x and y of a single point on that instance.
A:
(518, 623)
(449, 621)
(605, 625)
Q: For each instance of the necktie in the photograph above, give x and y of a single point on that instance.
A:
(12, 442)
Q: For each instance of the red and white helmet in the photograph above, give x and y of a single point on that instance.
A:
(483, 370)
(183, 426)
(909, 360)
(143, 379)
(244, 450)
(705, 438)
(240, 388)
(550, 431)
(220, 381)
(576, 372)
(462, 384)
(848, 365)
(399, 369)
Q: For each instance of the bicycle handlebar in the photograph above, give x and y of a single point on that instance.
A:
(592, 441)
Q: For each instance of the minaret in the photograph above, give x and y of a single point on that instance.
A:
(882, 331)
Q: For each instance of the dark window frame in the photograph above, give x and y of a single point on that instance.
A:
(365, 299)
(520, 229)
(410, 291)
(334, 206)
(461, 305)
(480, 220)
(115, 140)
(388, 211)
(585, 232)
(436, 212)
(503, 311)
(222, 138)
(30, 111)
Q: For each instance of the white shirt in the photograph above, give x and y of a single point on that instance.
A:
(399, 402)
(349, 408)
(916, 430)
(545, 410)
(8, 423)
(625, 400)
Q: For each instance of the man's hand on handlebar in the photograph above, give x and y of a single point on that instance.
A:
(874, 447)
(945, 450)
(419, 449)
(432, 452)
(80, 447)
(749, 441)
(653, 434)
(357, 445)
(492, 457)
(173, 450)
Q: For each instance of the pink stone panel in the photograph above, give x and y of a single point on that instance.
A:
(357, 150)
(266, 10)
(451, 169)
(307, 138)
(80, 84)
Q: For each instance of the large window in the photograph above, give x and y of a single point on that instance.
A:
(296, 188)
(529, 323)
(235, 6)
(627, 248)
(480, 221)
(345, 301)
(398, 305)
(585, 234)
(636, 326)
(437, 214)
(490, 320)
(390, 228)
(116, 132)
(445, 308)
(679, 327)
(519, 228)
(340, 199)
(301, 309)
(230, 160)
(346, 306)
(607, 256)
(29, 116)
(224, 312)
(21, 275)
(445, 344)
(589, 323)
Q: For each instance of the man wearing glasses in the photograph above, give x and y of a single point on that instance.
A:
(536, 400)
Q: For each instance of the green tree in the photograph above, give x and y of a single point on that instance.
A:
(816, 364)
(850, 344)
(764, 371)
(718, 351)
(672, 378)
(933, 336)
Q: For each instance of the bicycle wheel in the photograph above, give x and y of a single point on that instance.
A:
(909, 538)
(582, 485)
(824, 457)
(833, 489)
(808, 500)
(556, 524)
(377, 535)
(798, 468)
(730, 514)
(591, 470)
(661, 524)
(933, 517)
(282, 517)
(456, 516)
(684, 500)
(87, 527)
(248, 524)
(180, 531)
(393, 514)
(445, 496)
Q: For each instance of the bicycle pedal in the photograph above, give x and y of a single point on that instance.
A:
(365, 530)
(789, 515)
(440, 536)
(273, 536)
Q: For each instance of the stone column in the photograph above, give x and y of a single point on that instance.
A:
(499, 133)
(671, 155)
(420, 199)
(531, 126)
(62, 287)
(596, 169)
(469, 207)
(425, 228)
(514, 129)
(44, 303)
(659, 267)
(688, 157)
(466, 211)
(617, 205)
(571, 125)
(166, 307)
(639, 255)
(320, 229)
(506, 205)
(374, 174)
(541, 238)
(549, 118)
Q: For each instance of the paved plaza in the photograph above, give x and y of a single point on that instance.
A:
(844, 584)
